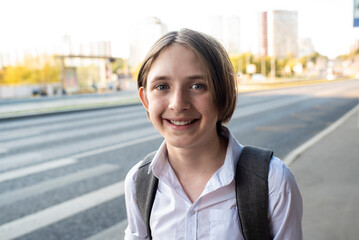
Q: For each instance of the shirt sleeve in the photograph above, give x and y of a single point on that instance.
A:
(136, 229)
(285, 203)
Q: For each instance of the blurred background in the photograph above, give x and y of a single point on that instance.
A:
(67, 47)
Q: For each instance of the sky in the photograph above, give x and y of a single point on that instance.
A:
(39, 25)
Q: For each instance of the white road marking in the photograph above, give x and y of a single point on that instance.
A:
(35, 169)
(293, 155)
(17, 160)
(33, 190)
(66, 134)
(3, 150)
(6, 135)
(246, 111)
(115, 232)
(35, 221)
(117, 146)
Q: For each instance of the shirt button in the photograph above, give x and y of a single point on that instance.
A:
(192, 212)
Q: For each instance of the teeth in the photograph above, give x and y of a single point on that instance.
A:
(181, 123)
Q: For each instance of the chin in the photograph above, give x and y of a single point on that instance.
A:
(180, 142)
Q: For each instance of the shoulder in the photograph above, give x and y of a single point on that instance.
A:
(280, 177)
(285, 202)
(136, 228)
(130, 180)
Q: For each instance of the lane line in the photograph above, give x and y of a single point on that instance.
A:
(35, 221)
(16, 161)
(20, 159)
(267, 106)
(36, 169)
(117, 146)
(116, 232)
(69, 133)
(3, 150)
(8, 135)
(293, 155)
(37, 189)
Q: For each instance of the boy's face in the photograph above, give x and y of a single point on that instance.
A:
(178, 99)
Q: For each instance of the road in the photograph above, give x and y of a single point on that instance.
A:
(61, 176)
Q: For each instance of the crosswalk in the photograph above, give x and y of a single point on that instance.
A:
(61, 211)
(25, 165)
(62, 176)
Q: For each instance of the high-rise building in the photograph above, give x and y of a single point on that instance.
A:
(279, 33)
(264, 35)
(226, 29)
(232, 34)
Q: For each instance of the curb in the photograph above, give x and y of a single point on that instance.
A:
(295, 154)
(77, 108)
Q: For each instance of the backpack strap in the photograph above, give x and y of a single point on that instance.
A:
(146, 188)
(251, 182)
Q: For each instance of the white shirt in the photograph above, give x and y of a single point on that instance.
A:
(214, 214)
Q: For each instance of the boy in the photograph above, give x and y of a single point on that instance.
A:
(187, 86)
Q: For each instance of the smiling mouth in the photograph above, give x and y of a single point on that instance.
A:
(182, 123)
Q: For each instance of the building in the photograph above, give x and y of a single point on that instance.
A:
(226, 29)
(279, 33)
(305, 47)
(263, 34)
(143, 35)
(231, 34)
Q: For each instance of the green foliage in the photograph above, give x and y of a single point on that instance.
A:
(241, 61)
(310, 58)
(352, 54)
(33, 70)
(118, 65)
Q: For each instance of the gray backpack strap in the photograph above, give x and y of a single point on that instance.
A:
(146, 188)
(252, 192)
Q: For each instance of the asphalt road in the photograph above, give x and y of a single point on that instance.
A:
(61, 176)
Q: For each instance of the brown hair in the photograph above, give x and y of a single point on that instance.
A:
(214, 58)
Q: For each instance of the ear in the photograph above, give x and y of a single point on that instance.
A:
(143, 97)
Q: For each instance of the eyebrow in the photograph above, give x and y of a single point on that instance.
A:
(190, 77)
(195, 77)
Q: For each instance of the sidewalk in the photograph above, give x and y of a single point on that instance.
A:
(328, 176)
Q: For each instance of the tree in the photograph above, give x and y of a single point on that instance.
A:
(240, 63)
(33, 70)
(118, 65)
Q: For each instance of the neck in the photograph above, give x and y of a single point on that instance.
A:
(205, 159)
(195, 166)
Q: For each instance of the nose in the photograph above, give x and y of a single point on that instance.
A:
(179, 101)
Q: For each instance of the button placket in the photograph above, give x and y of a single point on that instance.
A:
(191, 224)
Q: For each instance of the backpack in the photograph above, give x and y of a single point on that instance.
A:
(251, 184)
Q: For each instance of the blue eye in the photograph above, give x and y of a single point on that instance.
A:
(197, 86)
(162, 87)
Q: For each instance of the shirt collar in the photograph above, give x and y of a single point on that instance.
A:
(224, 175)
